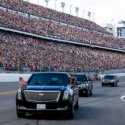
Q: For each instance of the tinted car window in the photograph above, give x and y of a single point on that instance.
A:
(48, 79)
(109, 77)
(81, 78)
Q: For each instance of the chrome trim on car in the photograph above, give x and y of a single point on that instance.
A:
(32, 109)
(39, 94)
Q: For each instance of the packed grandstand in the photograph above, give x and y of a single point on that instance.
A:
(36, 38)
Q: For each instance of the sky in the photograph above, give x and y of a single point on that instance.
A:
(102, 11)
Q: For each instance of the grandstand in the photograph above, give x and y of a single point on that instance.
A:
(36, 38)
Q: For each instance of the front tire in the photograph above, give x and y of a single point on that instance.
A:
(81, 93)
(102, 85)
(115, 85)
(76, 106)
(87, 93)
(20, 114)
(91, 93)
(70, 112)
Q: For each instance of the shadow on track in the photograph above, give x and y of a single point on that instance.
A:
(88, 112)
(47, 116)
(82, 113)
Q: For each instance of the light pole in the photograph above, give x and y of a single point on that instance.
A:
(70, 8)
(63, 6)
(89, 15)
(47, 2)
(55, 4)
(77, 10)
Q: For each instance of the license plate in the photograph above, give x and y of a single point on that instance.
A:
(84, 91)
(40, 106)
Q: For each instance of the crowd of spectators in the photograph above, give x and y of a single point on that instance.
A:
(50, 28)
(33, 9)
(22, 52)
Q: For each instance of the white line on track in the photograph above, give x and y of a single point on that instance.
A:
(122, 98)
(8, 93)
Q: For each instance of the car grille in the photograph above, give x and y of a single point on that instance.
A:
(108, 81)
(42, 96)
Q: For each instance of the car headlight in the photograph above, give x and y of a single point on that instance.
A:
(103, 80)
(79, 86)
(87, 84)
(82, 86)
(68, 92)
(19, 96)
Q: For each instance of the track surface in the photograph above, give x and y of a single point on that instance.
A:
(104, 108)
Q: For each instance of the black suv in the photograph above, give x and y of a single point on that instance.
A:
(55, 91)
(84, 83)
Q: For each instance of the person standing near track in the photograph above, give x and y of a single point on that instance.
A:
(22, 82)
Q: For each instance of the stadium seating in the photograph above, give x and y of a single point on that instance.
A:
(54, 29)
(20, 52)
(23, 6)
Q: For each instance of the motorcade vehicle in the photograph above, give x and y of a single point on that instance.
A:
(84, 83)
(110, 79)
(48, 92)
